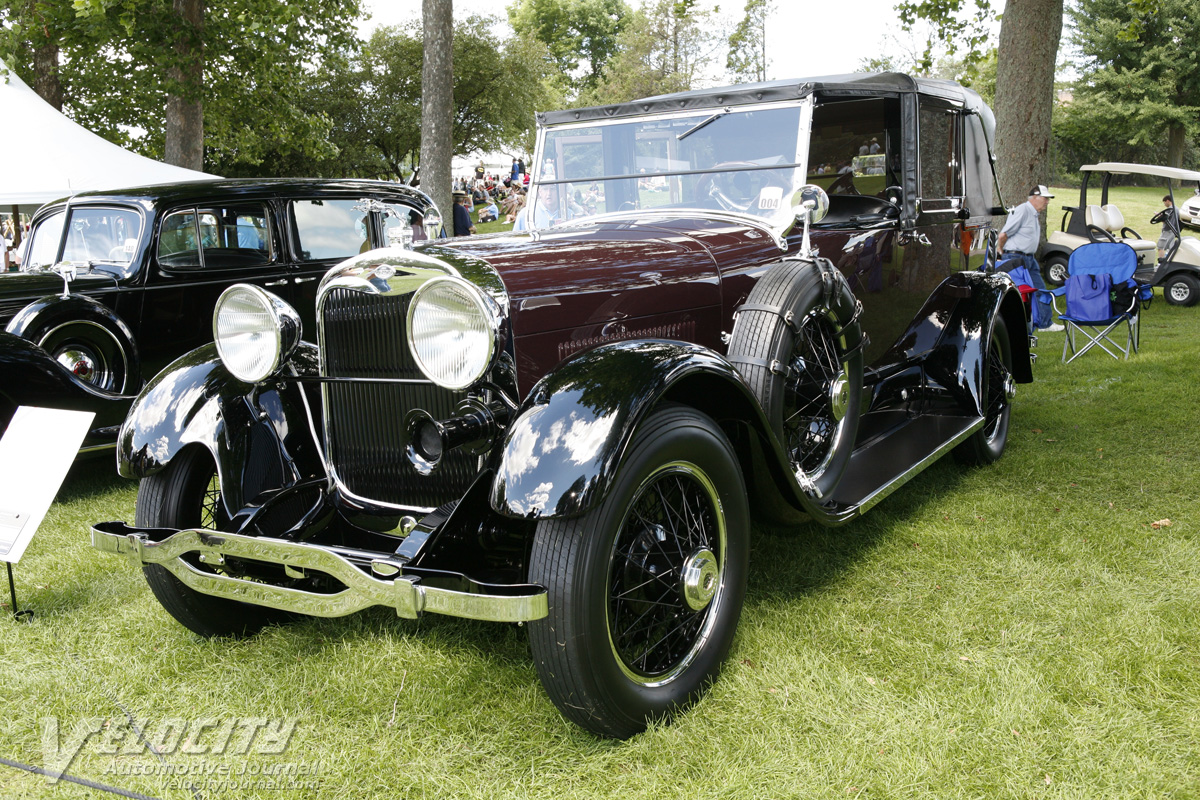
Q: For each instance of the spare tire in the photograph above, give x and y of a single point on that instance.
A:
(798, 344)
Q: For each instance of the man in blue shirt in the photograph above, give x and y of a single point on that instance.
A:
(462, 218)
(1022, 233)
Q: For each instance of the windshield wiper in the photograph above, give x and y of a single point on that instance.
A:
(702, 123)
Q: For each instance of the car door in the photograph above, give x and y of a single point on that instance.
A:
(199, 251)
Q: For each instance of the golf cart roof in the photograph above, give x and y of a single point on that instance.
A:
(1120, 168)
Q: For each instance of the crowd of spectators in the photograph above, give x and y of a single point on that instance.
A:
(489, 197)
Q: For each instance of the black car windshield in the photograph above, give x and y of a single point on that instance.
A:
(742, 161)
(106, 238)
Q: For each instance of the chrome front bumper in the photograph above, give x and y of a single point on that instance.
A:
(404, 593)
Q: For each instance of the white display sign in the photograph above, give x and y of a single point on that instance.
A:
(36, 452)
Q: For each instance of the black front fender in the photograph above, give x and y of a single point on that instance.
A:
(561, 453)
(29, 376)
(259, 435)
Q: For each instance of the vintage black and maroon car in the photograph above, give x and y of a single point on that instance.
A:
(132, 284)
(575, 427)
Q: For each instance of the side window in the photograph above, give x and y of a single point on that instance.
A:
(235, 236)
(216, 237)
(328, 229)
(941, 165)
(178, 242)
(850, 147)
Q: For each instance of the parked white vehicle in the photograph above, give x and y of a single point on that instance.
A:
(1177, 270)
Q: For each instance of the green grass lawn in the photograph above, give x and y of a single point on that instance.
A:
(1022, 630)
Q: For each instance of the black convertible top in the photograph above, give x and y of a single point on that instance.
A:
(869, 83)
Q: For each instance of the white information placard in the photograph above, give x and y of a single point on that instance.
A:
(35, 453)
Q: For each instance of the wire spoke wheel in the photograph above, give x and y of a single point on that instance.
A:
(664, 576)
(812, 418)
(645, 588)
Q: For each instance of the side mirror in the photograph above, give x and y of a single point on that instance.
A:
(809, 204)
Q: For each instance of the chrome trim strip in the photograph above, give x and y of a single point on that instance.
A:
(917, 468)
(405, 594)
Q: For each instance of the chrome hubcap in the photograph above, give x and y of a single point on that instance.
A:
(80, 364)
(1010, 388)
(839, 396)
(701, 576)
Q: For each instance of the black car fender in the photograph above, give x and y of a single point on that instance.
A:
(59, 314)
(29, 376)
(561, 452)
(957, 362)
(259, 435)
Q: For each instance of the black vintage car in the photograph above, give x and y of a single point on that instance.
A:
(576, 426)
(132, 284)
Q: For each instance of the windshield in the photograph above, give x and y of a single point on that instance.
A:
(105, 237)
(744, 161)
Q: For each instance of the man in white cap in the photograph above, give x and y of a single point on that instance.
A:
(1021, 235)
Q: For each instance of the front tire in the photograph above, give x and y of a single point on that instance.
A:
(1181, 289)
(645, 590)
(187, 494)
(987, 444)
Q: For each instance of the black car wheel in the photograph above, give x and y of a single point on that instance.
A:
(805, 365)
(187, 494)
(1181, 289)
(92, 353)
(987, 444)
(645, 590)
(1054, 270)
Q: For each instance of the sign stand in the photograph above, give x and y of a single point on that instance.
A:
(36, 450)
(27, 614)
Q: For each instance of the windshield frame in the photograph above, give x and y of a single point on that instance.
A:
(778, 223)
(120, 270)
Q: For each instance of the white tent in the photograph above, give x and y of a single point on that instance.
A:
(47, 156)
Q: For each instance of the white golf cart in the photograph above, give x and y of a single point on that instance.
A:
(1177, 271)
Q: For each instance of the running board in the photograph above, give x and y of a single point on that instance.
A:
(871, 475)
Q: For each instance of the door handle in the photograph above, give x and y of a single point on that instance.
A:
(276, 283)
(305, 280)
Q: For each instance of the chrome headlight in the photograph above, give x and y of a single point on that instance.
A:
(255, 331)
(452, 332)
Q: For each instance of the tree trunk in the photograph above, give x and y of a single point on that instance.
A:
(1176, 139)
(45, 68)
(1029, 35)
(185, 105)
(437, 104)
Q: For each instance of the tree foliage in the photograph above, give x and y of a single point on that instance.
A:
(117, 56)
(962, 29)
(1138, 94)
(372, 99)
(666, 46)
(581, 35)
(747, 59)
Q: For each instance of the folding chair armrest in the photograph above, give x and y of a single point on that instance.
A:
(1053, 294)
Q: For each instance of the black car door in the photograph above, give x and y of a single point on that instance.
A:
(199, 251)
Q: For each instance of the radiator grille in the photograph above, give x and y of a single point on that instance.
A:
(364, 337)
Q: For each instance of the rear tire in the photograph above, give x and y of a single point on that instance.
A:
(1054, 271)
(645, 589)
(187, 494)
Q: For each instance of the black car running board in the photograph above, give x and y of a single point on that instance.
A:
(888, 462)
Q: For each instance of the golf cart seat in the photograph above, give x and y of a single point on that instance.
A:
(1110, 219)
(1099, 272)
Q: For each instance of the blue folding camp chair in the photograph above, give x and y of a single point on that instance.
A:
(1098, 272)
